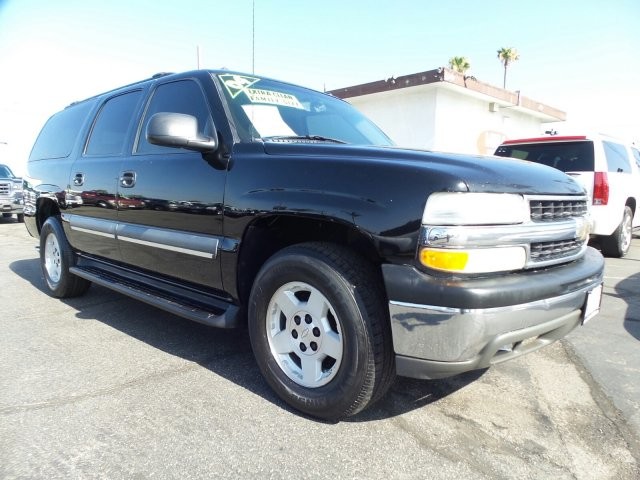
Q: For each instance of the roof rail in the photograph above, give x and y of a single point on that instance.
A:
(161, 74)
(153, 77)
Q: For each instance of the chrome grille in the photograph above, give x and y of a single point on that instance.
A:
(5, 188)
(554, 210)
(560, 229)
(545, 251)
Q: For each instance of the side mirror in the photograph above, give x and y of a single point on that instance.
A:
(178, 130)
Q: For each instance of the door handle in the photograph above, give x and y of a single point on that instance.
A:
(128, 179)
(78, 179)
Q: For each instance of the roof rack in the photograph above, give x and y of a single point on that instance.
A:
(161, 74)
(153, 77)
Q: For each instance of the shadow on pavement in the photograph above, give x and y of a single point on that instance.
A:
(225, 352)
(11, 219)
(409, 394)
(628, 290)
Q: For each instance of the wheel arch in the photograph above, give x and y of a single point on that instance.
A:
(268, 235)
(631, 203)
(45, 208)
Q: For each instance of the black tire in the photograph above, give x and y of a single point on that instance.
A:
(56, 257)
(356, 318)
(618, 243)
(21, 218)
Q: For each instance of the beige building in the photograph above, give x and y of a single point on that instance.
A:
(445, 111)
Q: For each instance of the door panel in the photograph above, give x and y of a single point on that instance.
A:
(170, 199)
(170, 221)
(93, 218)
(92, 191)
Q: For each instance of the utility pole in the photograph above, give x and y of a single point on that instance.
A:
(198, 56)
(253, 38)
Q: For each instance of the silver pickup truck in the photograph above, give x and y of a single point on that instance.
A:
(11, 201)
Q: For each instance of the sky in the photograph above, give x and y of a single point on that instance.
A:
(581, 56)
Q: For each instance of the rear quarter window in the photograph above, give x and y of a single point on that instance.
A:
(617, 157)
(59, 134)
(565, 156)
(636, 156)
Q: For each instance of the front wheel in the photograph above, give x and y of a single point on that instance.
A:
(319, 330)
(56, 257)
(618, 243)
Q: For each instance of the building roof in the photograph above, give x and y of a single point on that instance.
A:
(447, 78)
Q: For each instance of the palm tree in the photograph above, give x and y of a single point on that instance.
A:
(507, 56)
(459, 64)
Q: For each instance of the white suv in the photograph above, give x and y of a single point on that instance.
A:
(608, 169)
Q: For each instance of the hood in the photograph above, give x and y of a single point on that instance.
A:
(457, 172)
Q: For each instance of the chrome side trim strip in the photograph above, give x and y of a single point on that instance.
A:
(167, 247)
(204, 246)
(93, 232)
(182, 242)
(93, 226)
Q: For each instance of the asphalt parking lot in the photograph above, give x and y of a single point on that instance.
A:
(106, 387)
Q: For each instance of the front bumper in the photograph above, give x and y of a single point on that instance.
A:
(442, 326)
(13, 204)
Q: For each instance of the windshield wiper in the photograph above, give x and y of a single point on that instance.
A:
(312, 138)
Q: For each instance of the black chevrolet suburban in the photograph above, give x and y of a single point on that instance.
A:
(236, 200)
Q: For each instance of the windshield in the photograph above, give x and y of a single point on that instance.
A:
(565, 156)
(5, 172)
(269, 110)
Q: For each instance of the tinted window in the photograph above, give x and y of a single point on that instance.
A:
(60, 132)
(565, 156)
(636, 155)
(184, 96)
(5, 172)
(617, 157)
(109, 132)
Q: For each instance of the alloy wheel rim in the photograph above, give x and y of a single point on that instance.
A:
(52, 258)
(304, 333)
(625, 234)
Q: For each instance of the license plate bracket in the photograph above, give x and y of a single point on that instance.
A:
(592, 304)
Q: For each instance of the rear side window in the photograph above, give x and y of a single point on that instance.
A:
(636, 155)
(109, 132)
(58, 135)
(565, 156)
(617, 157)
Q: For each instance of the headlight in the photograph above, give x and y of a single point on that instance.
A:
(459, 235)
(448, 208)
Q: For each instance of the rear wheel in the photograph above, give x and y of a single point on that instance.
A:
(21, 217)
(320, 331)
(56, 257)
(618, 243)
